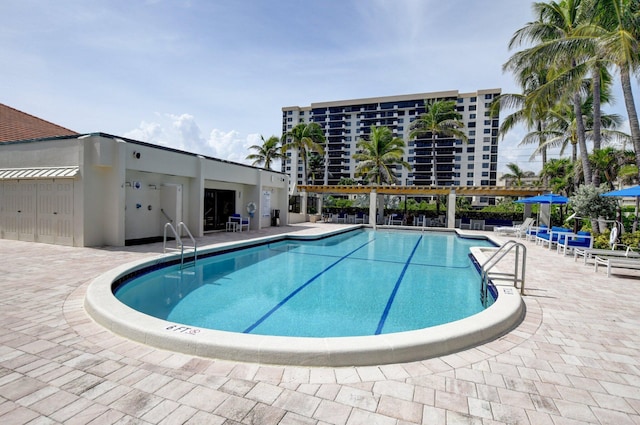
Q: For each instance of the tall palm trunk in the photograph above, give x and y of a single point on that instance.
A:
(597, 119)
(582, 142)
(631, 111)
(434, 177)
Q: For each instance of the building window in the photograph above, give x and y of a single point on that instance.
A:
(473, 99)
(486, 148)
(471, 149)
(470, 175)
(488, 96)
(469, 182)
(487, 131)
(472, 132)
(485, 156)
(472, 107)
(470, 167)
(471, 158)
(471, 141)
(472, 124)
(472, 116)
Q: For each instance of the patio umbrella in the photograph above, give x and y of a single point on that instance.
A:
(547, 198)
(631, 192)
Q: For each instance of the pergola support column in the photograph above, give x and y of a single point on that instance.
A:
(373, 202)
(451, 210)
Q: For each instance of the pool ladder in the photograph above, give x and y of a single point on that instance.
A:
(180, 246)
(517, 276)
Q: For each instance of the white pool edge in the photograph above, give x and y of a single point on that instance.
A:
(105, 309)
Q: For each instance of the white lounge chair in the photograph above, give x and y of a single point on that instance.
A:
(625, 263)
(516, 229)
(590, 253)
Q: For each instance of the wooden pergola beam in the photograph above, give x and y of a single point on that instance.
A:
(427, 190)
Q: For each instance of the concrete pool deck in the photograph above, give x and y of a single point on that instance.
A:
(574, 359)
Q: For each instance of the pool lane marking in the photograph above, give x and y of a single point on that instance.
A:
(301, 287)
(392, 297)
(382, 260)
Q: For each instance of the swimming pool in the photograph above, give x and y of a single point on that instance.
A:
(359, 283)
(385, 344)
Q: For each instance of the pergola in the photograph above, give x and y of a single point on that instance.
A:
(450, 191)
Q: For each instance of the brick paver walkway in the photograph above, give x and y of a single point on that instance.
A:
(573, 360)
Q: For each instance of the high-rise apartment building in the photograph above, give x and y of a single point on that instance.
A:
(457, 163)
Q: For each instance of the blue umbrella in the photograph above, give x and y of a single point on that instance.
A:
(548, 198)
(633, 191)
(630, 191)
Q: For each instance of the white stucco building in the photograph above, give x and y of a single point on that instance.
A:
(98, 189)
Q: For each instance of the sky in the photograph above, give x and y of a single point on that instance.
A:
(212, 76)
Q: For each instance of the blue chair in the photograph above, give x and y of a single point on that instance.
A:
(581, 239)
(240, 221)
(552, 237)
(533, 231)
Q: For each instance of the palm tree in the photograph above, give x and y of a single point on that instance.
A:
(316, 166)
(517, 174)
(304, 138)
(266, 153)
(608, 162)
(378, 156)
(555, 33)
(532, 114)
(558, 173)
(618, 22)
(440, 118)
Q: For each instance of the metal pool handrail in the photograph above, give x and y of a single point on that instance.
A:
(179, 243)
(518, 274)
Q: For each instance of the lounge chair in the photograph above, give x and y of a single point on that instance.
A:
(515, 230)
(582, 240)
(624, 263)
(553, 236)
(591, 253)
(531, 233)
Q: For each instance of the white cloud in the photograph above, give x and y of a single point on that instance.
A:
(184, 133)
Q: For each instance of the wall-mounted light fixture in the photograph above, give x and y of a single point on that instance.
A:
(136, 154)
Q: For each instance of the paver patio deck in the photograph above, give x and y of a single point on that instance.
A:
(574, 359)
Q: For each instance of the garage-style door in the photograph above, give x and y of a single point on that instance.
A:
(34, 209)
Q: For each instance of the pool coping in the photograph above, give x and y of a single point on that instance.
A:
(100, 303)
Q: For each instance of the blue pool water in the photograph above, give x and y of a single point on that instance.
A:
(364, 282)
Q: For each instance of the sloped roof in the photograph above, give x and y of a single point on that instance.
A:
(17, 125)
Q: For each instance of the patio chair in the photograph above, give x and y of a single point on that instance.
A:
(477, 224)
(533, 231)
(610, 262)
(581, 239)
(515, 229)
(240, 221)
(341, 218)
(359, 218)
(552, 237)
(395, 219)
(588, 253)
